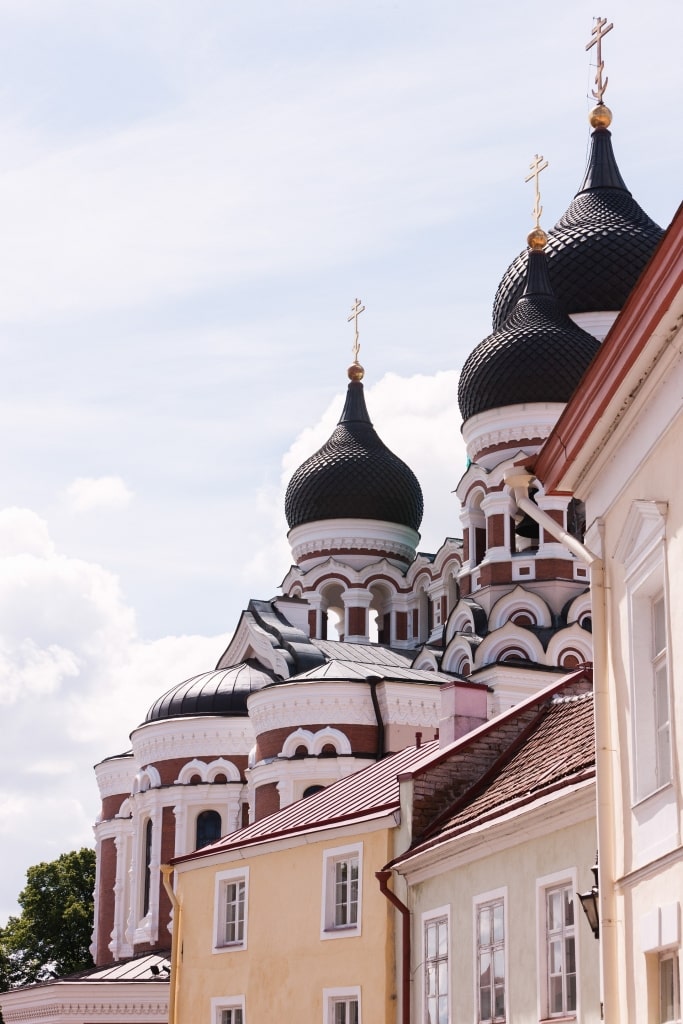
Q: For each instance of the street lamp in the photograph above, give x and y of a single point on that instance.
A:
(590, 901)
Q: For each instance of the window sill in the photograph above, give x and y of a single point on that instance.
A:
(558, 1020)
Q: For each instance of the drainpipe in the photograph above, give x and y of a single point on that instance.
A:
(166, 872)
(518, 480)
(383, 877)
(373, 680)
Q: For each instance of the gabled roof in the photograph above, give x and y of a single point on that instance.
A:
(539, 746)
(369, 793)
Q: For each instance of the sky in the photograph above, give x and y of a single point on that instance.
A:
(192, 195)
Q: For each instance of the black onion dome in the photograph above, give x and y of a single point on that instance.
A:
(220, 692)
(538, 355)
(354, 476)
(597, 249)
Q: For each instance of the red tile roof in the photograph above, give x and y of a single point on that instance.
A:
(369, 793)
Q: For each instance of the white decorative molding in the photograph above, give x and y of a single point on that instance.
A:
(519, 600)
(509, 426)
(598, 323)
(191, 737)
(313, 542)
(311, 704)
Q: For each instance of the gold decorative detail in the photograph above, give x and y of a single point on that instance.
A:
(355, 371)
(600, 116)
(537, 238)
(599, 31)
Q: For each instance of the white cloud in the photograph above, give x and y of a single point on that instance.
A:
(87, 493)
(75, 678)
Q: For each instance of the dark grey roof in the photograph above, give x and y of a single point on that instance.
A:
(354, 476)
(597, 249)
(538, 355)
(220, 692)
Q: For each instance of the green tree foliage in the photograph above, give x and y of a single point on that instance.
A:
(51, 936)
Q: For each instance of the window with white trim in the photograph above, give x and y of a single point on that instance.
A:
(489, 923)
(560, 951)
(642, 550)
(230, 910)
(669, 989)
(341, 1006)
(227, 1010)
(342, 877)
(435, 953)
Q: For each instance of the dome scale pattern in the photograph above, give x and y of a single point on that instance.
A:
(354, 476)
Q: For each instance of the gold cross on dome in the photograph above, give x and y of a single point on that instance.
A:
(356, 310)
(537, 165)
(599, 31)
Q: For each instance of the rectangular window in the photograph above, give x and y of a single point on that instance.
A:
(660, 678)
(228, 1010)
(341, 898)
(346, 892)
(490, 935)
(230, 912)
(436, 968)
(669, 990)
(341, 1006)
(560, 950)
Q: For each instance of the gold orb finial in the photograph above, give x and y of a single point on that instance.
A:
(537, 239)
(355, 371)
(600, 116)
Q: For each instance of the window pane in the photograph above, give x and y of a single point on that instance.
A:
(498, 922)
(484, 926)
(658, 626)
(667, 1007)
(443, 938)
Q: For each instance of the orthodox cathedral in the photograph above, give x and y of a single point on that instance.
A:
(372, 641)
(373, 644)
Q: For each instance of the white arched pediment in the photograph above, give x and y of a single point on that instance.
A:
(580, 609)
(461, 619)
(570, 646)
(189, 770)
(146, 778)
(222, 767)
(519, 601)
(457, 656)
(506, 640)
(426, 661)
(333, 737)
(298, 738)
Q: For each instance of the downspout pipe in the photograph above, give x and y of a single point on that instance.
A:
(519, 481)
(166, 872)
(383, 878)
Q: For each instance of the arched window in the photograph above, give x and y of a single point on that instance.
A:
(208, 828)
(147, 881)
(310, 790)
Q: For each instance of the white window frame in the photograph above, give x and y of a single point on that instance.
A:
(495, 896)
(223, 880)
(669, 956)
(333, 996)
(565, 879)
(331, 858)
(427, 918)
(221, 1003)
(642, 551)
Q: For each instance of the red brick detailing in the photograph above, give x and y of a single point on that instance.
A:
(555, 569)
(519, 443)
(106, 901)
(466, 546)
(496, 531)
(111, 805)
(170, 770)
(167, 852)
(444, 608)
(357, 618)
(401, 625)
(267, 800)
(557, 515)
(363, 739)
(495, 572)
(465, 585)
(416, 622)
(312, 616)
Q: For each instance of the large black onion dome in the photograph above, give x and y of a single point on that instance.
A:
(597, 249)
(538, 355)
(354, 476)
(220, 692)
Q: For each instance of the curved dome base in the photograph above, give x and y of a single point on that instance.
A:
(357, 542)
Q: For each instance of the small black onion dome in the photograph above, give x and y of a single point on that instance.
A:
(219, 692)
(599, 246)
(538, 355)
(354, 475)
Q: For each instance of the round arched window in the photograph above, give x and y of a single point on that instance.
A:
(208, 828)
